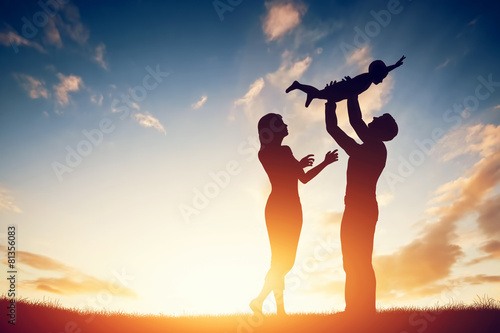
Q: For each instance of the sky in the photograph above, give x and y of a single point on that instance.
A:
(128, 144)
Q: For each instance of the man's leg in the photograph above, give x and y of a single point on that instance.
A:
(356, 234)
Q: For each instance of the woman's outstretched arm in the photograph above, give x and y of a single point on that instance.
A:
(330, 157)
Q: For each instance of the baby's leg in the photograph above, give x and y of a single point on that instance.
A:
(311, 91)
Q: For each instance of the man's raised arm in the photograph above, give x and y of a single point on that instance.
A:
(343, 140)
(355, 118)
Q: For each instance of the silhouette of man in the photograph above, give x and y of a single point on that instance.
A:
(366, 162)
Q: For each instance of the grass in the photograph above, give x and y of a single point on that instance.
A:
(50, 317)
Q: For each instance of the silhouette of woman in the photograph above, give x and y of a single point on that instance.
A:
(283, 211)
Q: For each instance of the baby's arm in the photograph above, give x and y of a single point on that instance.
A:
(396, 65)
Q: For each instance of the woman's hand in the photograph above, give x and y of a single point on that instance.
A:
(331, 156)
(307, 161)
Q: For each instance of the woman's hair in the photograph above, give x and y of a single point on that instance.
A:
(267, 128)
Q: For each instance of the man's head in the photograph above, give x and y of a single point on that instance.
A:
(378, 70)
(384, 127)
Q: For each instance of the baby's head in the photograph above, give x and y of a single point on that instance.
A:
(378, 70)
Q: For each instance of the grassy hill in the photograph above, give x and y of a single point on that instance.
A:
(33, 316)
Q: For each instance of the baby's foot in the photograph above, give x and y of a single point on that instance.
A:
(256, 306)
(308, 100)
(293, 86)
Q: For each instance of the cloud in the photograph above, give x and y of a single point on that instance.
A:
(489, 216)
(11, 37)
(429, 258)
(72, 282)
(288, 71)
(7, 203)
(70, 24)
(42, 262)
(52, 35)
(480, 279)
(331, 218)
(375, 98)
(497, 107)
(253, 91)
(100, 50)
(478, 139)
(281, 18)
(79, 284)
(361, 57)
(147, 120)
(249, 100)
(416, 266)
(474, 21)
(385, 198)
(443, 64)
(492, 248)
(35, 88)
(68, 84)
(200, 103)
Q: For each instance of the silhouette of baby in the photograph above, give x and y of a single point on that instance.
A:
(337, 91)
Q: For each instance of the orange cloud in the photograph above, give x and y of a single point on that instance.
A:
(281, 18)
(148, 120)
(253, 91)
(289, 70)
(481, 278)
(35, 88)
(52, 35)
(71, 25)
(429, 258)
(7, 203)
(100, 50)
(74, 285)
(331, 218)
(489, 216)
(200, 103)
(68, 84)
(12, 38)
(73, 281)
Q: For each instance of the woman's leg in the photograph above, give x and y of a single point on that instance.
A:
(256, 303)
(283, 227)
(280, 304)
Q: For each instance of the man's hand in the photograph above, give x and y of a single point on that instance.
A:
(331, 156)
(307, 161)
(346, 78)
(331, 84)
